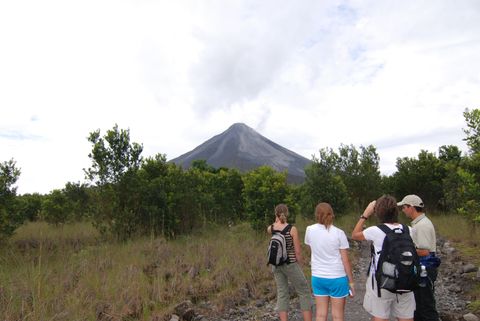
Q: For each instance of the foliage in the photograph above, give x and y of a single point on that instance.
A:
(112, 156)
(78, 197)
(29, 206)
(153, 209)
(264, 188)
(324, 184)
(117, 200)
(422, 176)
(9, 218)
(360, 173)
(472, 118)
(55, 208)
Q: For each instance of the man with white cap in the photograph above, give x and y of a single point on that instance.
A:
(423, 235)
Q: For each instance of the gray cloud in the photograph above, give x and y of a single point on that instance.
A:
(17, 135)
(245, 52)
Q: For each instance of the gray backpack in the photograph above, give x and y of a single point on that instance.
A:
(277, 247)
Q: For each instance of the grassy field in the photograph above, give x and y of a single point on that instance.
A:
(71, 273)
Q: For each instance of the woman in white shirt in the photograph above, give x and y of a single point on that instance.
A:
(332, 279)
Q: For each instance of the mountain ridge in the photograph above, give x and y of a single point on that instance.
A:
(243, 148)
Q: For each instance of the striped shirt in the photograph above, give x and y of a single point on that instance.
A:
(292, 258)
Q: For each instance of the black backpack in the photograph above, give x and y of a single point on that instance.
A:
(398, 268)
(277, 247)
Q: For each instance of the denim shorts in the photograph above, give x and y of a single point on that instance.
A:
(335, 288)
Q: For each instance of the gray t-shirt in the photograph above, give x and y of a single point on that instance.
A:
(423, 233)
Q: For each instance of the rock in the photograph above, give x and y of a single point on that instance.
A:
(478, 274)
(260, 303)
(244, 295)
(185, 310)
(448, 250)
(469, 268)
(455, 288)
(470, 317)
(175, 318)
(444, 316)
(103, 312)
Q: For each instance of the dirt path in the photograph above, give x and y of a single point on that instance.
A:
(265, 311)
(450, 304)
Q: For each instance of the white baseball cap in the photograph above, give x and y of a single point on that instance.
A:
(412, 200)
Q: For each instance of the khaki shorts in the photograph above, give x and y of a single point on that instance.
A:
(389, 304)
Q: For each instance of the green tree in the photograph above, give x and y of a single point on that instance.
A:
(227, 192)
(181, 210)
(370, 179)
(451, 158)
(264, 188)
(29, 206)
(422, 176)
(472, 117)
(56, 208)
(78, 198)
(450, 154)
(360, 173)
(9, 217)
(112, 156)
(154, 208)
(117, 194)
(324, 184)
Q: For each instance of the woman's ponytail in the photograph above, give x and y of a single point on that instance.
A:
(281, 211)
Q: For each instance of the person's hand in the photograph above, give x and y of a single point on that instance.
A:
(352, 289)
(369, 209)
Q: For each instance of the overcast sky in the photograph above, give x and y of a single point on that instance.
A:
(305, 74)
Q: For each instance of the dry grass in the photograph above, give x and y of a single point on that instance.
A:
(55, 278)
(71, 273)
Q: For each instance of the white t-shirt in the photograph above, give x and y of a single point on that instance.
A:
(376, 235)
(325, 245)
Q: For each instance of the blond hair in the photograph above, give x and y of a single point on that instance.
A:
(281, 211)
(324, 214)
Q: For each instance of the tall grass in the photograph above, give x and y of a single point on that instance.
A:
(71, 272)
(462, 232)
(56, 278)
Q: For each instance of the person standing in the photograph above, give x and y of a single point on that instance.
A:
(400, 306)
(423, 235)
(332, 277)
(290, 271)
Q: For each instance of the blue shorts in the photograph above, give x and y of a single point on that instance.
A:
(335, 288)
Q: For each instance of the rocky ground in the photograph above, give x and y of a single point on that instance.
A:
(454, 280)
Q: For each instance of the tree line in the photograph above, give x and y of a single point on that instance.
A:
(127, 195)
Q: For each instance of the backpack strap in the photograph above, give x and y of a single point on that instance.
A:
(287, 229)
(385, 229)
(372, 258)
(405, 229)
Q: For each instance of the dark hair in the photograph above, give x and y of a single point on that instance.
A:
(419, 209)
(324, 214)
(386, 209)
(281, 211)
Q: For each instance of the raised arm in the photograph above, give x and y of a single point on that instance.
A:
(357, 233)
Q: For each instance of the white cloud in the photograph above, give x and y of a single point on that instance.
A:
(307, 76)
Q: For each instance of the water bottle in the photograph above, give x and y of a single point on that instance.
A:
(423, 276)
